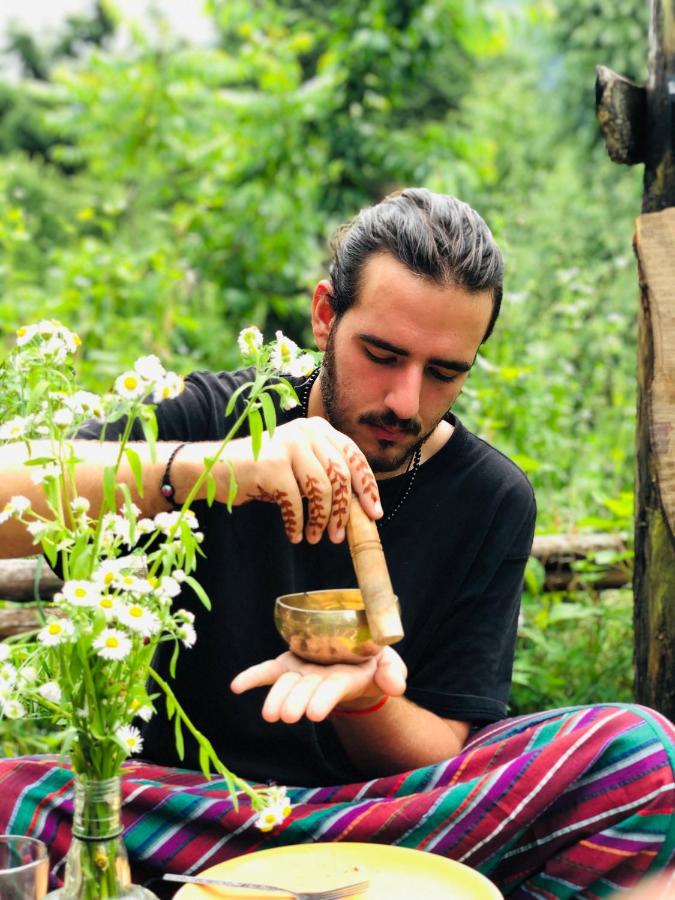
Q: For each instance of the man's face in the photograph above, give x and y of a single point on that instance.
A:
(397, 359)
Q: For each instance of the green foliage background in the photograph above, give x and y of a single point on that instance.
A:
(160, 197)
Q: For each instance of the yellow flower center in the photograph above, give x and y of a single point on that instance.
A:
(108, 578)
(80, 592)
(21, 331)
(130, 383)
(136, 612)
(106, 603)
(112, 642)
(55, 628)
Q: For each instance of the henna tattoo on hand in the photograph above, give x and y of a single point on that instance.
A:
(368, 483)
(340, 485)
(281, 499)
(317, 513)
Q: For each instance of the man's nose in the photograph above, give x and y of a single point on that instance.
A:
(403, 398)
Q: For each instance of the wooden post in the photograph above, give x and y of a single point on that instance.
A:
(638, 123)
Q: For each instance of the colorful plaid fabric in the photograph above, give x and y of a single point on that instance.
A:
(568, 803)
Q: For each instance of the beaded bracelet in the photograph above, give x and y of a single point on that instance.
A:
(166, 489)
(362, 712)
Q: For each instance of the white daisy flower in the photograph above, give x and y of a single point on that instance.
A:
(56, 632)
(12, 709)
(130, 737)
(37, 529)
(139, 619)
(27, 674)
(288, 401)
(14, 428)
(275, 810)
(143, 710)
(250, 341)
(150, 368)
(85, 403)
(168, 388)
(284, 352)
(187, 634)
(81, 593)
(54, 349)
(107, 571)
(5, 652)
(25, 334)
(179, 575)
(15, 506)
(80, 505)
(302, 366)
(145, 526)
(184, 615)
(108, 605)
(63, 417)
(50, 691)
(7, 674)
(130, 385)
(112, 644)
(165, 521)
(132, 584)
(169, 586)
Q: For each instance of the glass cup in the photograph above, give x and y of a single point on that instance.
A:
(24, 868)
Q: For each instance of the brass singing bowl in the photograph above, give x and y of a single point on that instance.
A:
(326, 626)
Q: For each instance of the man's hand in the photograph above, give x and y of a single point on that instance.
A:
(311, 459)
(300, 688)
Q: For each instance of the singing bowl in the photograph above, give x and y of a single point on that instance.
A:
(326, 626)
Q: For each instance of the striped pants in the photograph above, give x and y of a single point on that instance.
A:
(568, 803)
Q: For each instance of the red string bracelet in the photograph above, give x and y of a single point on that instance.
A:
(362, 712)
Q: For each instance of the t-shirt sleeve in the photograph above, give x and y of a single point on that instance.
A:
(465, 672)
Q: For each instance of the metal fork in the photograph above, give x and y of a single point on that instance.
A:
(348, 890)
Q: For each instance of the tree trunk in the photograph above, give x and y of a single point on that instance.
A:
(654, 581)
(655, 486)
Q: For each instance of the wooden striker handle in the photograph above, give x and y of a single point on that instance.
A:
(372, 576)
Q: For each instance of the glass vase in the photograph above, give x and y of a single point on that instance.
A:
(97, 865)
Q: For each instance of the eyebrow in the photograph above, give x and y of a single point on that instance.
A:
(455, 365)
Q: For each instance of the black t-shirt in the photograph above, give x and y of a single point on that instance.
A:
(456, 552)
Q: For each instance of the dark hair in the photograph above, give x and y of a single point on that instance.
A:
(434, 235)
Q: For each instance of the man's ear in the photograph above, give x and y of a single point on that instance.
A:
(323, 314)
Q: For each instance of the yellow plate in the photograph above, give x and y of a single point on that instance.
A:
(394, 873)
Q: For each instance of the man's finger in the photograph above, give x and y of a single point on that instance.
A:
(262, 674)
(295, 705)
(278, 694)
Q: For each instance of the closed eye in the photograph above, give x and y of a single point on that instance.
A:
(386, 360)
(440, 376)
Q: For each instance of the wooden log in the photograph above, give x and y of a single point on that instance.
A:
(17, 579)
(558, 553)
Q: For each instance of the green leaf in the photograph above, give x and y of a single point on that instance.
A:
(236, 395)
(174, 659)
(232, 488)
(178, 732)
(199, 590)
(136, 467)
(109, 502)
(269, 412)
(256, 428)
(210, 489)
(204, 763)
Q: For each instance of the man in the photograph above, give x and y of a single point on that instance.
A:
(415, 288)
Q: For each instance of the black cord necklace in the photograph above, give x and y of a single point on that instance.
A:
(413, 463)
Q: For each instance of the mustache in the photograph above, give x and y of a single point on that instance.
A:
(389, 419)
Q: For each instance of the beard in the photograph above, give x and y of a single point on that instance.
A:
(335, 410)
